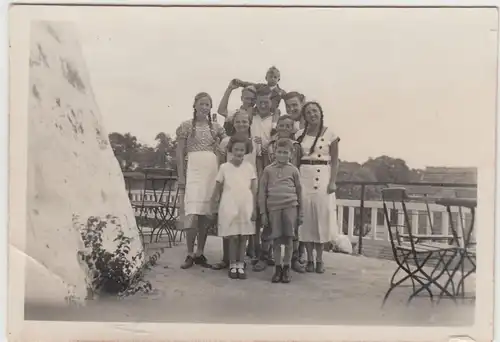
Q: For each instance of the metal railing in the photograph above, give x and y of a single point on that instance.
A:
(418, 207)
(357, 221)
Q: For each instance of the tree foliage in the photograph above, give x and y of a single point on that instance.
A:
(132, 155)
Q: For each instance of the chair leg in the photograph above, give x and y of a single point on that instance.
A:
(433, 280)
(409, 275)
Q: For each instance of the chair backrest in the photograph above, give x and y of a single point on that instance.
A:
(395, 198)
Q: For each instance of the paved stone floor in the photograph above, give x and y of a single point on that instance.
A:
(350, 292)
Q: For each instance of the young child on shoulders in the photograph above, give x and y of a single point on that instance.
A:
(280, 206)
(234, 199)
(273, 76)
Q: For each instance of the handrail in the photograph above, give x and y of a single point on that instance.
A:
(439, 185)
(363, 186)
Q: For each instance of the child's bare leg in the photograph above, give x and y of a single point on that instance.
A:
(242, 241)
(287, 259)
(233, 249)
(224, 263)
(277, 251)
(203, 224)
(191, 233)
(310, 256)
(233, 256)
(288, 242)
(320, 268)
(278, 269)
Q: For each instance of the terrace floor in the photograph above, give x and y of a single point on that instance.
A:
(350, 292)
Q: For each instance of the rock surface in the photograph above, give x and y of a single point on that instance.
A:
(72, 172)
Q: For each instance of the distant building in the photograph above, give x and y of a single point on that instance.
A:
(457, 175)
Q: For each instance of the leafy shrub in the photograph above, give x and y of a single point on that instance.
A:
(114, 272)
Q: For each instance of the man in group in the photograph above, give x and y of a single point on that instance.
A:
(293, 104)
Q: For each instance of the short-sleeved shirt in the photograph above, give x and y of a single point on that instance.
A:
(322, 148)
(237, 176)
(250, 157)
(202, 137)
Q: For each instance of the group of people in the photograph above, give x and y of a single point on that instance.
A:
(267, 179)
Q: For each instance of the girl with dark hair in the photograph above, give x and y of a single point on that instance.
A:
(234, 198)
(241, 123)
(318, 174)
(199, 138)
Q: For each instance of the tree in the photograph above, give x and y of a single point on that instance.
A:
(165, 150)
(125, 147)
(388, 169)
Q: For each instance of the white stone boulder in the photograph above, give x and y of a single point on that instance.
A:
(74, 179)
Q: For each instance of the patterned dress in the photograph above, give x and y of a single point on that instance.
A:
(320, 210)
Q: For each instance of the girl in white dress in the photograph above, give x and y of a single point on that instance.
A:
(237, 189)
(318, 174)
(241, 121)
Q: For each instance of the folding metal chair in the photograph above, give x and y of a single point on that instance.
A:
(463, 237)
(412, 253)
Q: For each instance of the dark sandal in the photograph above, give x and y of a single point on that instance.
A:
(202, 261)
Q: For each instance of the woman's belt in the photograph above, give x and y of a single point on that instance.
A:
(314, 162)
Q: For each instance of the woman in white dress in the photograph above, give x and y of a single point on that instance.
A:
(199, 138)
(318, 173)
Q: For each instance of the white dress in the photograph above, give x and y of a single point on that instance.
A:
(237, 202)
(320, 210)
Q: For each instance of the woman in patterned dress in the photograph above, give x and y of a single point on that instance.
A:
(199, 139)
(318, 175)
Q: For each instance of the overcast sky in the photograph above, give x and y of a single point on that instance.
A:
(418, 84)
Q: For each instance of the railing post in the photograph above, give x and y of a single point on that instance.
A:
(362, 220)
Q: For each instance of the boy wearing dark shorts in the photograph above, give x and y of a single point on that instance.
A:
(280, 195)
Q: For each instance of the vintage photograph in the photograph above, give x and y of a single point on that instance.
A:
(268, 166)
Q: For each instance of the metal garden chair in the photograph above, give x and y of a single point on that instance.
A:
(414, 253)
(463, 235)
